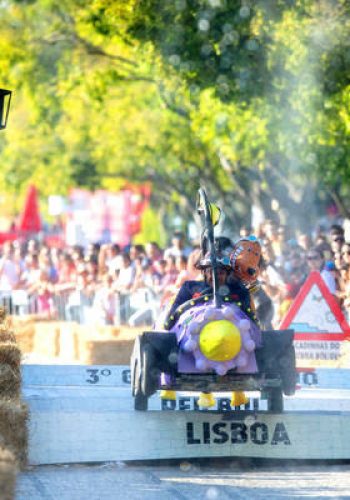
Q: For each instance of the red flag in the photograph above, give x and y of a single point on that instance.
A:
(30, 220)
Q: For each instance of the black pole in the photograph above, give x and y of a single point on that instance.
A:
(208, 242)
(4, 107)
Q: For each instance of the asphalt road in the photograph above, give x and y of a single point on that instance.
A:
(206, 480)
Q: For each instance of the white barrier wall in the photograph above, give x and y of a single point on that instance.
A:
(113, 375)
(94, 436)
(119, 399)
(75, 375)
(85, 414)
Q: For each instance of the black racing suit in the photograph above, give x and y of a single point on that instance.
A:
(235, 291)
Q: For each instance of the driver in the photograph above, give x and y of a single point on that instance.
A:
(229, 285)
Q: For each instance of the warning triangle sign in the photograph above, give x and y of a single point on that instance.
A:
(315, 313)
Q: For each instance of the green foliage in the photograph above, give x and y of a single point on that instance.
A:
(249, 99)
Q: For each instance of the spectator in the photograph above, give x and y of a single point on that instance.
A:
(136, 251)
(43, 292)
(139, 274)
(105, 305)
(9, 272)
(323, 245)
(177, 247)
(66, 273)
(32, 247)
(169, 279)
(335, 231)
(125, 276)
(46, 264)
(91, 267)
(270, 277)
(338, 260)
(114, 259)
(271, 232)
(153, 253)
(182, 274)
(345, 254)
(80, 296)
(344, 276)
(316, 262)
(92, 251)
(77, 254)
(192, 265)
(31, 274)
(123, 285)
(245, 231)
(170, 272)
(344, 289)
(74, 269)
(281, 239)
(337, 239)
(159, 277)
(304, 241)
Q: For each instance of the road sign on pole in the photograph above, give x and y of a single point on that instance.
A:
(319, 324)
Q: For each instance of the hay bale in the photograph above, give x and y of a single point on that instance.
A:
(24, 332)
(108, 331)
(13, 429)
(113, 347)
(7, 336)
(10, 354)
(10, 382)
(3, 314)
(6, 332)
(107, 352)
(8, 472)
(68, 344)
(46, 338)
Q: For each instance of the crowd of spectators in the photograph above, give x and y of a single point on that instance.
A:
(110, 283)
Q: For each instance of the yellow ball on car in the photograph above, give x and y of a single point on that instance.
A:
(220, 340)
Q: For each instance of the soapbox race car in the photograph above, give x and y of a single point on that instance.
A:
(211, 344)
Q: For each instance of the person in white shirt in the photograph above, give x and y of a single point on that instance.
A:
(9, 275)
(106, 303)
(177, 248)
(125, 276)
(123, 284)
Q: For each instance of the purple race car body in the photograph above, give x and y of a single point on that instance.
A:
(188, 330)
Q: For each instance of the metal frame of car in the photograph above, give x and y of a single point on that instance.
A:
(156, 352)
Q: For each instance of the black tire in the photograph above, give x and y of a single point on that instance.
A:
(149, 372)
(135, 377)
(135, 368)
(288, 371)
(275, 400)
(140, 402)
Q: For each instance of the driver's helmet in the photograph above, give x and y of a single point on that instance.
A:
(223, 249)
(222, 260)
(245, 259)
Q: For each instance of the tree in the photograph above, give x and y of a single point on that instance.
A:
(253, 101)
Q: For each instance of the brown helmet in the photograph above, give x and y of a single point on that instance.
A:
(245, 259)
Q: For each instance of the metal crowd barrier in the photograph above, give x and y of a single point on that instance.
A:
(140, 307)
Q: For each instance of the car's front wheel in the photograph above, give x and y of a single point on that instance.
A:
(288, 372)
(140, 402)
(275, 400)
